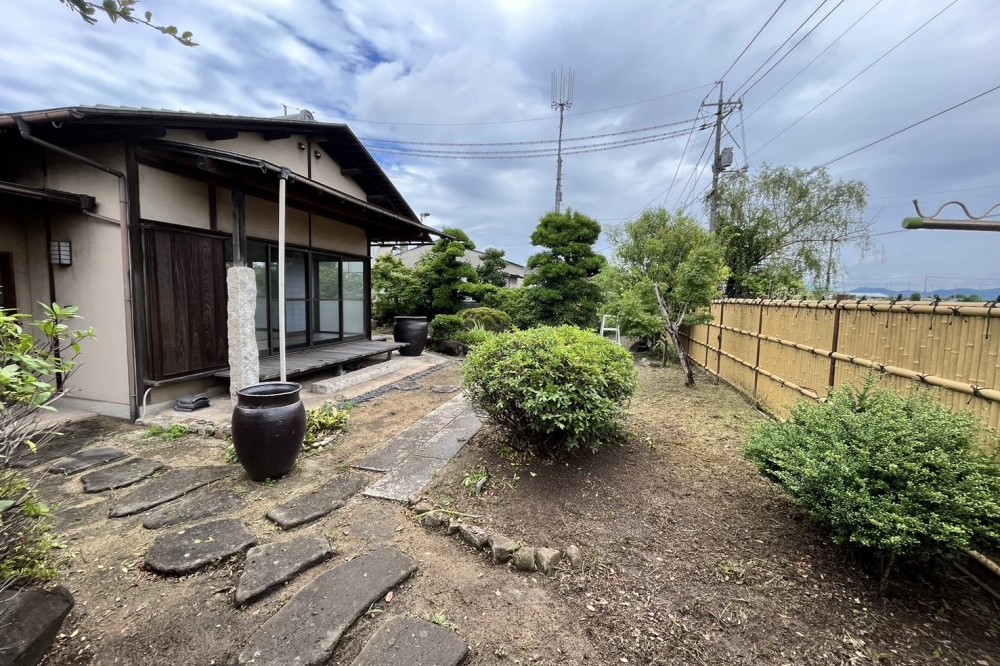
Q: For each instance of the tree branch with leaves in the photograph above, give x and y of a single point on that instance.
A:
(124, 10)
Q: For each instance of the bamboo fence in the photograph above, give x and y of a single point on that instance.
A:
(778, 351)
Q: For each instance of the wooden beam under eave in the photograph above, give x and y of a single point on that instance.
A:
(350, 172)
(221, 134)
(378, 198)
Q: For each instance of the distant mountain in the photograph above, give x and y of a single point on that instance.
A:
(945, 294)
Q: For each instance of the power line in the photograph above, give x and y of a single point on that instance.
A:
(810, 63)
(856, 76)
(750, 43)
(528, 143)
(694, 170)
(684, 152)
(518, 154)
(794, 46)
(909, 127)
(346, 118)
(778, 50)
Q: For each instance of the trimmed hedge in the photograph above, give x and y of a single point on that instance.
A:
(489, 319)
(555, 388)
(894, 476)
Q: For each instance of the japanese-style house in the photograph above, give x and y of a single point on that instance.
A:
(133, 215)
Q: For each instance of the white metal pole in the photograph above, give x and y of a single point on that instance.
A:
(281, 272)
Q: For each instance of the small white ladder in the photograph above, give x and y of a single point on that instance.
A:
(605, 328)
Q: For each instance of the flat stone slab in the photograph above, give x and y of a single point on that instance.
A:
(272, 564)
(200, 504)
(306, 630)
(188, 550)
(409, 641)
(173, 484)
(120, 476)
(409, 475)
(85, 460)
(319, 502)
(30, 619)
(400, 447)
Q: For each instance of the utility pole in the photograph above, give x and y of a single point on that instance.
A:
(722, 159)
(562, 99)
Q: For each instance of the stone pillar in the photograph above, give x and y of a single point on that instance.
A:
(244, 363)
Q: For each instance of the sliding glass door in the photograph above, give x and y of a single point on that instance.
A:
(325, 297)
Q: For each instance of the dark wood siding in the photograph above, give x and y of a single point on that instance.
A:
(186, 287)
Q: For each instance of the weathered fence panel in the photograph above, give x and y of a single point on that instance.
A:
(779, 351)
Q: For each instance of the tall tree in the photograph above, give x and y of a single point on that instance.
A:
(396, 290)
(783, 226)
(124, 10)
(491, 267)
(560, 289)
(445, 274)
(679, 262)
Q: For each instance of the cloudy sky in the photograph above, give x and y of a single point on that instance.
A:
(479, 72)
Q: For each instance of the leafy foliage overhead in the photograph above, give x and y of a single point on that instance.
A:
(782, 226)
(124, 10)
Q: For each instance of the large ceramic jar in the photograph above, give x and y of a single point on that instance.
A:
(269, 424)
(412, 330)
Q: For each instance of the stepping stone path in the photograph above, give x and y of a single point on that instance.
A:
(85, 460)
(188, 550)
(119, 476)
(306, 630)
(408, 641)
(173, 484)
(199, 504)
(318, 503)
(272, 564)
(414, 456)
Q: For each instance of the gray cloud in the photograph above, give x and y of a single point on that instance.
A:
(448, 71)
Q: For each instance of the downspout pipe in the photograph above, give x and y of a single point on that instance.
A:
(26, 134)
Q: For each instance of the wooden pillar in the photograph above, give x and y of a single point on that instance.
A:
(239, 224)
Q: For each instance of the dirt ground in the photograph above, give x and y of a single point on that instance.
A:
(690, 557)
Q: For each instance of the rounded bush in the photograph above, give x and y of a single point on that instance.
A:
(555, 388)
(446, 327)
(489, 319)
(896, 476)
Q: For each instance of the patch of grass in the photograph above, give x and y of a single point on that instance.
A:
(441, 620)
(27, 545)
(229, 455)
(171, 434)
(475, 481)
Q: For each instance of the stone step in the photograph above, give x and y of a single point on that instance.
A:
(85, 460)
(400, 367)
(202, 503)
(307, 629)
(400, 447)
(185, 551)
(120, 476)
(173, 484)
(272, 564)
(408, 478)
(316, 504)
(409, 641)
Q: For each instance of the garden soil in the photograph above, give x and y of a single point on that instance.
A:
(689, 556)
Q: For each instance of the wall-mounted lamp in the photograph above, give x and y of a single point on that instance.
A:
(60, 253)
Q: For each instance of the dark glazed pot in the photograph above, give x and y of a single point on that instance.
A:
(269, 424)
(412, 330)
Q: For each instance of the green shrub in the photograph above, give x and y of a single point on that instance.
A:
(28, 550)
(894, 476)
(325, 420)
(446, 327)
(473, 337)
(490, 319)
(552, 387)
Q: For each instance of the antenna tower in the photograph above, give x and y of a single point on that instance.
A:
(562, 99)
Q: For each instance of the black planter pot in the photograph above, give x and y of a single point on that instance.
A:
(412, 330)
(269, 424)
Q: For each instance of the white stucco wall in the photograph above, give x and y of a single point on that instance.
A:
(167, 197)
